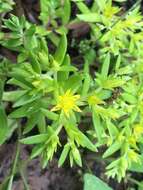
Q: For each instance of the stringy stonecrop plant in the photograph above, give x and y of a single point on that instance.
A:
(6, 5)
(53, 94)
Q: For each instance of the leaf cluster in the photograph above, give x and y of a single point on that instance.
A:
(55, 96)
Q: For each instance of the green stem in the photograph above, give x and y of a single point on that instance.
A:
(24, 180)
(13, 171)
(58, 129)
(16, 156)
(86, 66)
(135, 181)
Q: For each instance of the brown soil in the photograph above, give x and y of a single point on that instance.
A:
(51, 178)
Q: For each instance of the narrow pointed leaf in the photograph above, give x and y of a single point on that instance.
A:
(91, 182)
(63, 155)
(61, 50)
(35, 139)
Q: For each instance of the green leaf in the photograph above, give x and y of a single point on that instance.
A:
(25, 110)
(3, 124)
(7, 133)
(104, 94)
(82, 7)
(105, 66)
(74, 82)
(25, 99)
(43, 44)
(76, 156)
(13, 23)
(137, 167)
(97, 124)
(61, 50)
(125, 70)
(101, 4)
(111, 82)
(118, 62)
(112, 149)
(129, 98)
(34, 62)
(120, 1)
(1, 89)
(20, 81)
(89, 17)
(49, 114)
(6, 6)
(67, 11)
(113, 131)
(64, 155)
(44, 60)
(12, 43)
(13, 95)
(37, 150)
(140, 185)
(68, 68)
(36, 139)
(30, 41)
(42, 123)
(63, 75)
(6, 126)
(85, 142)
(32, 121)
(86, 84)
(91, 182)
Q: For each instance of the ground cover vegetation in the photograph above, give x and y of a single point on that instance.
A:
(64, 106)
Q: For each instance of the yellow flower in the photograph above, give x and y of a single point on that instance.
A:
(67, 103)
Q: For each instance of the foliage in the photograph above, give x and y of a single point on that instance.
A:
(6, 5)
(91, 182)
(55, 96)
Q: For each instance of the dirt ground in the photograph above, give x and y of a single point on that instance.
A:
(51, 178)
